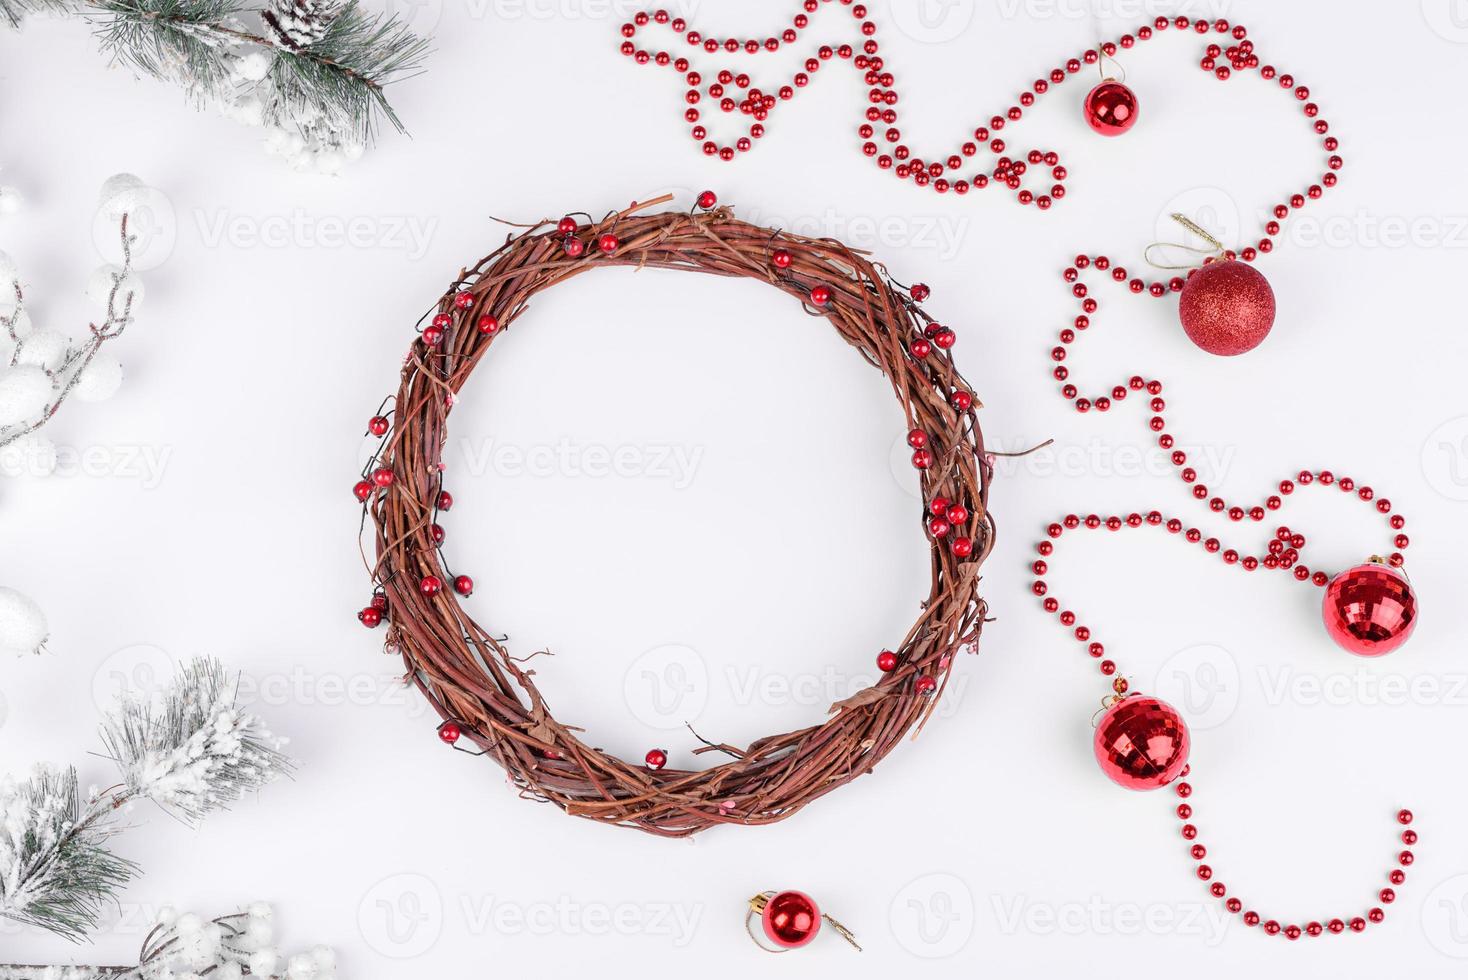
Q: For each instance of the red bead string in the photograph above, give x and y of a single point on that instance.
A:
(732, 91)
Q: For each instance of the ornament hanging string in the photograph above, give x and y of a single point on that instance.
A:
(1216, 251)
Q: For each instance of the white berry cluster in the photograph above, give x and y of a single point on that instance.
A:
(309, 139)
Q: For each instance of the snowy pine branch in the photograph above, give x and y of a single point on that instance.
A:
(312, 71)
(192, 751)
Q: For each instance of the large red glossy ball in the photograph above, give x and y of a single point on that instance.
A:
(1111, 108)
(1142, 743)
(1227, 307)
(1370, 609)
(791, 919)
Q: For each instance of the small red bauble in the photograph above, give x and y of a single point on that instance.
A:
(370, 617)
(1142, 743)
(377, 425)
(820, 295)
(608, 243)
(886, 661)
(781, 258)
(430, 585)
(445, 501)
(566, 226)
(707, 200)
(1227, 307)
(656, 759)
(362, 490)
(1111, 108)
(464, 585)
(574, 247)
(1370, 609)
(449, 732)
(463, 300)
(488, 324)
(791, 919)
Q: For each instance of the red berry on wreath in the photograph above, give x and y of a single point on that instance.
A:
(1141, 743)
(608, 243)
(449, 732)
(488, 324)
(567, 225)
(445, 501)
(1370, 610)
(920, 291)
(963, 547)
(656, 759)
(922, 459)
(377, 425)
(925, 685)
(362, 490)
(917, 438)
(939, 506)
(945, 338)
(1111, 108)
(574, 247)
(961, 400)
(370, 617)
(886, 661)
(464, 585)
(957, 514)
(920, 348)
(820, 295)
(432, 336)
(707, 200)
(379, 602)
(781, 259)
(1227, 307)
(382, 477)
(430, 585)
(437, 533)
(463, 300)
(442, 320)
(938, 527)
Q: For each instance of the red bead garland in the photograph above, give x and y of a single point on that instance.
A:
(880, 139)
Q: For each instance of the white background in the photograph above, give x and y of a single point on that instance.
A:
(219, 518)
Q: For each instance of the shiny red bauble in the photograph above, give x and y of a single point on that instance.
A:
(432, 336)
(463, 300)
(567, 225)
(781, 258)
(791, 919)
(1142, 743)
(820, 295)
(962, 547)
(464, 585)
(449, 732)
(430, 585)
(656, 759)
(574, 247)
(608, 243)
(370, 617)
(886, 661)
(707, 200)
(1111, 108)
(1370, 609)
(377, 425)
(1227, 307)
(488, 324)
(382, 477)
(961, 400)
(362, 490)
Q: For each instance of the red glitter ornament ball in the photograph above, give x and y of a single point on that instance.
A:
(1111, 108)
(1370, 609)
(1227, 307)
(791, 919)
(1142, 743)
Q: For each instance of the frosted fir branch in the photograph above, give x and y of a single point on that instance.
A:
(55, 869)
(192, 752)
(312, 71)
(181, 946)
(197, 751)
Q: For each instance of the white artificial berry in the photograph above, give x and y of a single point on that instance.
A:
(261, 931)
(249, 110)
(29, 455)
(167, 915)
(122, 194)
(301, 968)
(253, 67)
(43, 348)
(227, 971)
(261, 910)
(99, 287)
(353, 150)
(10, 200)
(99, 380)
(303, 162)
(324, 956)
(262, 962)
(25, 392)
(330, 162)
(22, 624)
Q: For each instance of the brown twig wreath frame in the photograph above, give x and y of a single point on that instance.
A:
(468, 674)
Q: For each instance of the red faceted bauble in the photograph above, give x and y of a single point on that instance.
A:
(1370, 609)
(1111, 108)
(1142, 743)
(791, 919)
(1227, 307)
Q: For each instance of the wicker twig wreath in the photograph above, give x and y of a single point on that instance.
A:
(491, 699)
